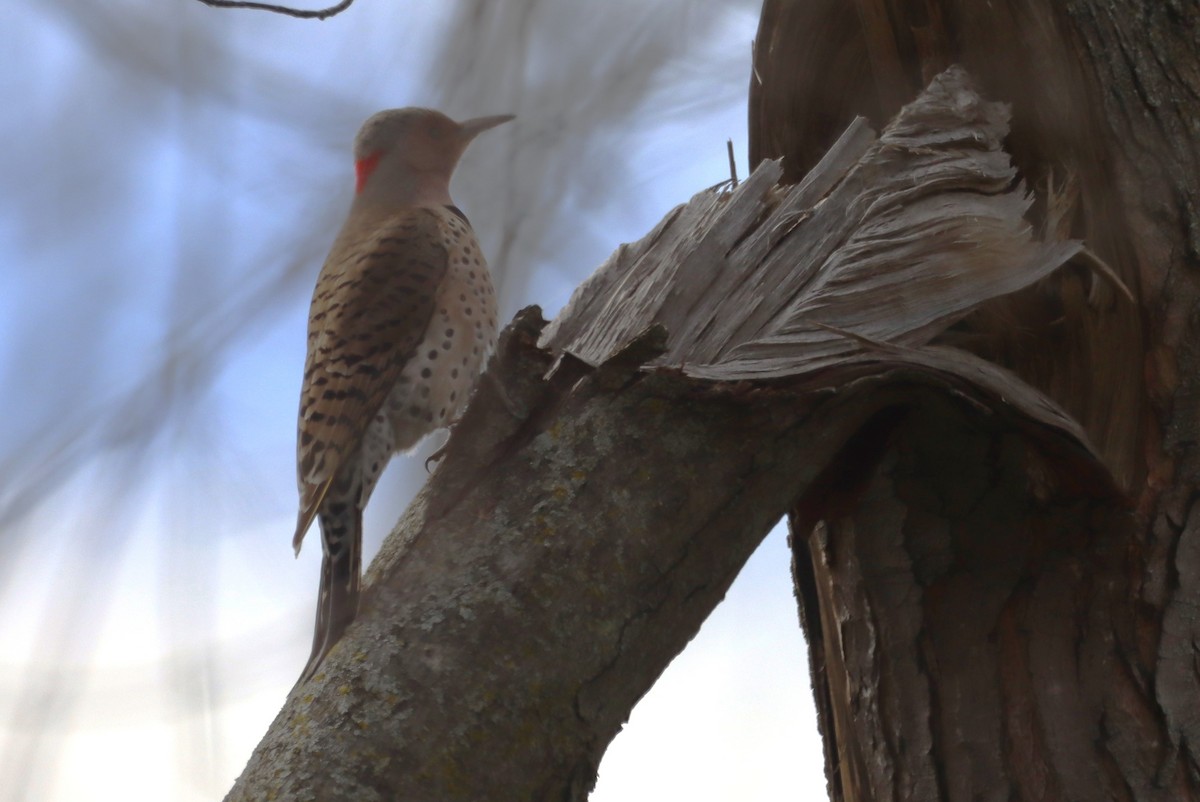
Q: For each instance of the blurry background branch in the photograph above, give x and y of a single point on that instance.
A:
(156, 275)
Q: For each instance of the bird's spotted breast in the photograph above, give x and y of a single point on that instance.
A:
(437, 380)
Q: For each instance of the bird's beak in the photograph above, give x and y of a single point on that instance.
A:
(469, 129)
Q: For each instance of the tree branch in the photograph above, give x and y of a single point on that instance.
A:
(322, 13)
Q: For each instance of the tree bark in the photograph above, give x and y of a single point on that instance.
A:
(976, 630)
(615, 469)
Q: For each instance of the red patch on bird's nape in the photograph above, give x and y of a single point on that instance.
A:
(363, 169)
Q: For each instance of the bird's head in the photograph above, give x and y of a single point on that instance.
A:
(408, 155)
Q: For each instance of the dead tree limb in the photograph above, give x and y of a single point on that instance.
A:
(616, 468)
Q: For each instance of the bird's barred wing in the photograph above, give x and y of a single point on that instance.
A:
(372, 304)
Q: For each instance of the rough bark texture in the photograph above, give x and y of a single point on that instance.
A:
(976, 631)
(615, 470)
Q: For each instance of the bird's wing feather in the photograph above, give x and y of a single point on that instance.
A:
(373, 302)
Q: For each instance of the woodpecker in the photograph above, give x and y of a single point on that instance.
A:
(402, 318)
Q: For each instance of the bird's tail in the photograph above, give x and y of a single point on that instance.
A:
(341, 568)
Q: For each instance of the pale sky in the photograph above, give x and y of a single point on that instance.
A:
(172, 176)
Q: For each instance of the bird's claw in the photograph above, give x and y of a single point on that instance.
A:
(434, 457)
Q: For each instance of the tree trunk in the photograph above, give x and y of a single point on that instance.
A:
(978, 628)
(614, 471)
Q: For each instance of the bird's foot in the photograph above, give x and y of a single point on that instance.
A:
(437, 455)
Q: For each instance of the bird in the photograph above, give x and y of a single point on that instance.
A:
(402, 317)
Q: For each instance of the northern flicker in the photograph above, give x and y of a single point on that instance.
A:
(402, 318)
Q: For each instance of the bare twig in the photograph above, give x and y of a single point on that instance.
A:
(320, 13)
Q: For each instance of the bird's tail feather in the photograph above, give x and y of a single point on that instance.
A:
(341, 569)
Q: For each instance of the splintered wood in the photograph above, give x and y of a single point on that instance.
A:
(887, 241)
